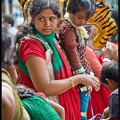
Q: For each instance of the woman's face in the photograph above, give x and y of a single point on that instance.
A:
(46, 22)
(79, 18)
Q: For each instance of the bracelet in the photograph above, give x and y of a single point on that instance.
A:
(72, 82)
(80, 70)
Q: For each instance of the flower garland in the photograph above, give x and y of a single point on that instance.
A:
(81, 29)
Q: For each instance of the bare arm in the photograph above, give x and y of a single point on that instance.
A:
(8, 104)
(60, 110)
(13, 73)
(40, 78)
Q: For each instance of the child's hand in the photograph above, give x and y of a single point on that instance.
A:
(106, 113)
(89, 90)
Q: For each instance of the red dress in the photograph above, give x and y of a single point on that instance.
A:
(98, 99)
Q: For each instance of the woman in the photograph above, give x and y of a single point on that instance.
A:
(42, 63)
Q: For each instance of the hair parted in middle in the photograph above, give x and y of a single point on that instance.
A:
(76, 5)
(38, 5)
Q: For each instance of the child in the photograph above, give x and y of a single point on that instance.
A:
(71, 35)
(42, 64)
(110, 77)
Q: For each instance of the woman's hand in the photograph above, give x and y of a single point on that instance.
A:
(90, 80)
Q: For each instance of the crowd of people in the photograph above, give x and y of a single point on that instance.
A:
(50, 71)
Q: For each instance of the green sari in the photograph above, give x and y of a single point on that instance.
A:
(39, 109)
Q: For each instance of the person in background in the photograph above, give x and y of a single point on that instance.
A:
(109, 52)
(43, 65)
(71, 39)
(12, 108)
(114, 38)
(110, 78)
(8, 22)
(98, 99)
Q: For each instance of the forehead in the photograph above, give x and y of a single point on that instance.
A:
(81, 13)
(46, 13)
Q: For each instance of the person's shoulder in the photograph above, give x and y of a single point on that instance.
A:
(5, 76)
(65, 25)
(28, 40)
(115, 92)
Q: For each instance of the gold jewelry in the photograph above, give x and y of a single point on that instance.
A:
(72, 82)
(83, 114)
(75, 72)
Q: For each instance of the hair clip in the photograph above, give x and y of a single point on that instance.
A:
(84, 1)
(97, 4)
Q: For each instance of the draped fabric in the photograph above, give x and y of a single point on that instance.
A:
(39, 109)
(99, 99)
(69, 99)
(18, 109)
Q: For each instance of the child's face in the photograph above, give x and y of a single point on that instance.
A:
(111, 85)
(46, 22)
(79, 18)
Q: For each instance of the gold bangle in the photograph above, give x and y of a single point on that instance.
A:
(72, 82)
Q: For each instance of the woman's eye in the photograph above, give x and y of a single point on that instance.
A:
(52, 19)
(41, 19)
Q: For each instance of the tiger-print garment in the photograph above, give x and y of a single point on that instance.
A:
(107, 27)
(80, 48)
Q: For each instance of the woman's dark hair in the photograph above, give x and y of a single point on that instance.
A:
(38, 5)
(110, 71)
(34, 8)
(75, 6)
(23, 91)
